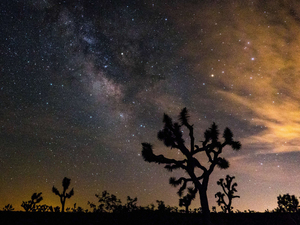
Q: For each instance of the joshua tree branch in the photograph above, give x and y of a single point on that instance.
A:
(197, 150)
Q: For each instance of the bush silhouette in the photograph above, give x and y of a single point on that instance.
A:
(287, 203)
(43, 208)
(187, 199)
(108, 203)
(171, 135)
(30, 206)
(63, 196)
(228, 189)
(8, 208)
(130, 204)
(161, 205)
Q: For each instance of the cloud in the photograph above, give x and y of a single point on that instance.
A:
(250, 59)
(280, 122)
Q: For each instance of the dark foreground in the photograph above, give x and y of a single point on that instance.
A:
(146, 218)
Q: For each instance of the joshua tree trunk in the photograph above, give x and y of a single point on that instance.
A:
(186, 209)
(229, 206)
(205, 207)
(62, 204)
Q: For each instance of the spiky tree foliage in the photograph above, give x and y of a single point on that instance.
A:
(229, 189)
(287, 203)
(63, 196)
(198, 174)
(30, 206)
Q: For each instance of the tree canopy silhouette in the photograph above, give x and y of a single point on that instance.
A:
(287, 203)
(63, 196)
(171, 135)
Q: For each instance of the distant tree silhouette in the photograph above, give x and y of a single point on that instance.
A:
(8, 208)
(161, 205)
(228, 189)
(214, 209)
(287, 203)
(171, 135)
(130, 205)
(56, 209)
(187, 199)
(43, 208)
(30, 206)
(93, 207)
(150, 207)
(108, 203)
(63, 196)
(76, 209)
(197, 210)
(26, 206)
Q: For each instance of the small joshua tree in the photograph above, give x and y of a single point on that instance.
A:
(228, 190)
(63, 196)
(29, 206)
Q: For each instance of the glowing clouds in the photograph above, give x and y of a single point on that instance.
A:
(252, 54)
(280, 123)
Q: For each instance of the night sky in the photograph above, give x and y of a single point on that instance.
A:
(84, 83)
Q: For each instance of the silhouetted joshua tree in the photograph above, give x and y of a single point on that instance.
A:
(187, 199)
(30, 205)
(228, 189)
(63, 196)
(287, 203)
(199, 175)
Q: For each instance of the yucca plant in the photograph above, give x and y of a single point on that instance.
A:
(63, 196)
(229, 189)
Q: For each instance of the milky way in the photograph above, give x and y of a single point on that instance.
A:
(83, 84)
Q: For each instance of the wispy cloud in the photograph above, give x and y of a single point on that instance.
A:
(280, 122)
(250, 61)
